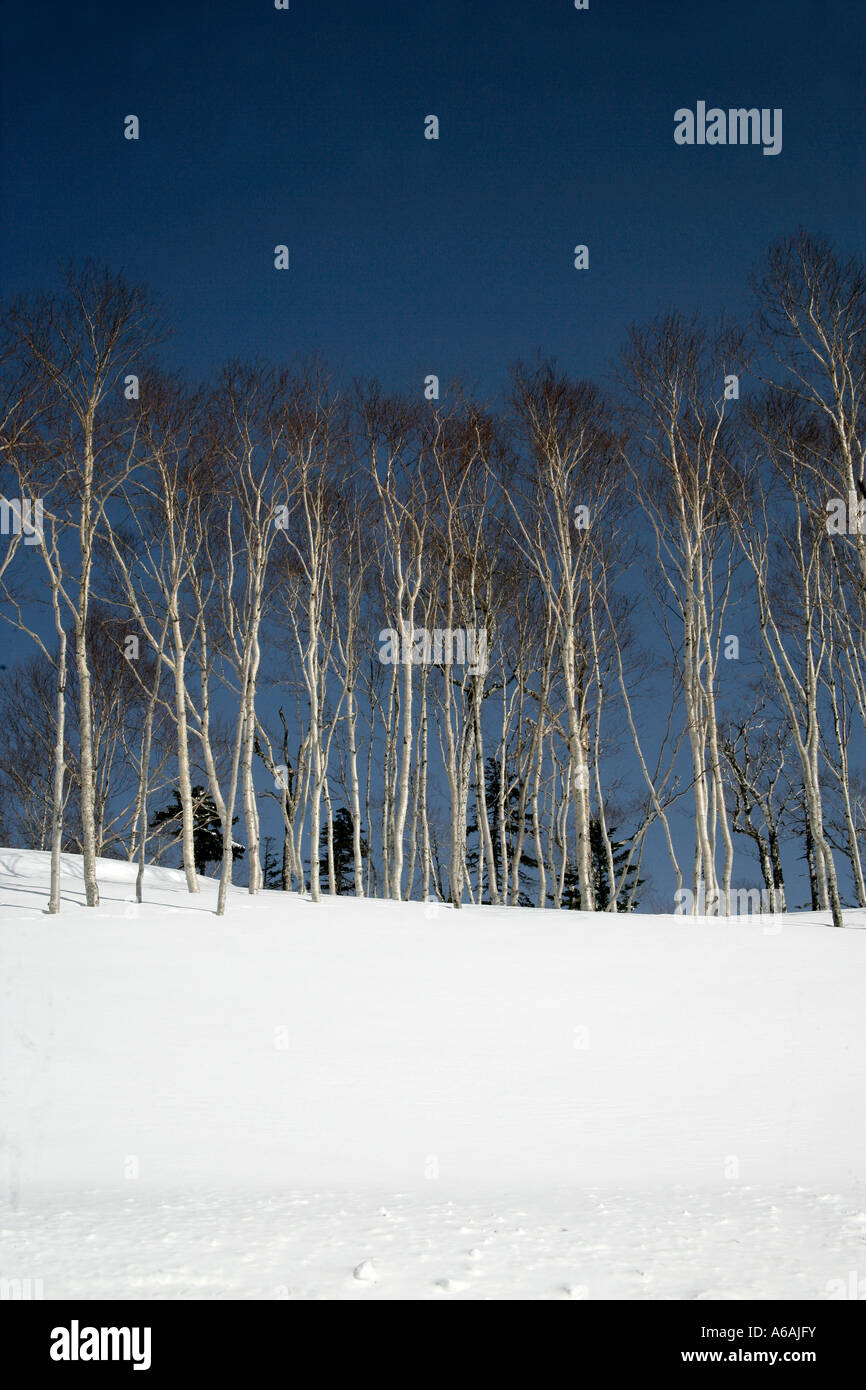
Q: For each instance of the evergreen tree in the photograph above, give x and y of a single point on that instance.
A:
(603, 890)
(344, 853)
(207, 828)
(492, 778)
(272, 873)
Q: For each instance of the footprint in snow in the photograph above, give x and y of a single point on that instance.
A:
(451, 1285)
(365, 1272)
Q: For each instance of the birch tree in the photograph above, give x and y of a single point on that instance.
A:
(570, 444)
(675, 373)
(780, 526)
(83, 344)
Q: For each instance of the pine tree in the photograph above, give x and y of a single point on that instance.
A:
(344, 852)
(207, 827)
(492, 773)
(601, 876)
(272, 873)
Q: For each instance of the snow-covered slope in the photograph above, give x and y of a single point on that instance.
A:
(313, 1086)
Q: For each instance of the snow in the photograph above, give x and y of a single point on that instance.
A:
(380, 1100)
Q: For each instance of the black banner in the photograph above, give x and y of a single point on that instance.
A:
(221, 1339)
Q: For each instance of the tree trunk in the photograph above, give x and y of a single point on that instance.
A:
(59, 760)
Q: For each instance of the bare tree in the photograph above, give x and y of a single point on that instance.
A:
(569, 437)
(755, 748)
(678, 456)
(785, 544)
(83, 344)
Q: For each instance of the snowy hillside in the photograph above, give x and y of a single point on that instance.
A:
(385, 1100)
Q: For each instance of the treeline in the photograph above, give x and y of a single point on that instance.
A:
(455, 650)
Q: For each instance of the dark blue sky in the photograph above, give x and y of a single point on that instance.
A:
(411, 256)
